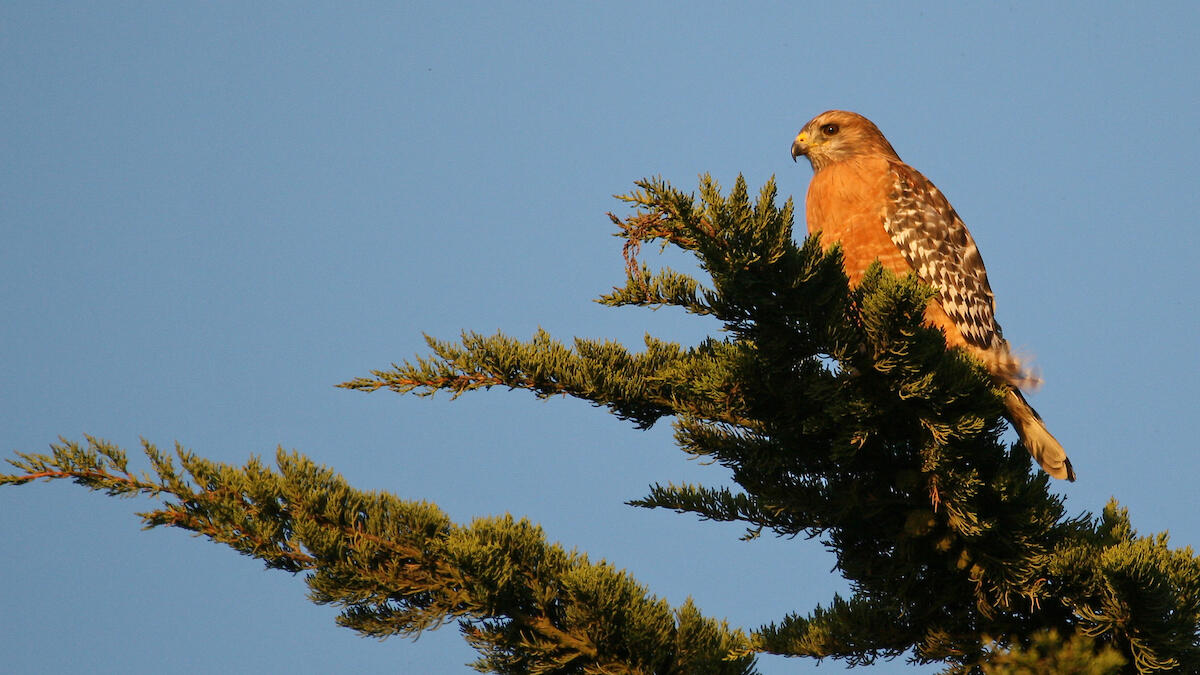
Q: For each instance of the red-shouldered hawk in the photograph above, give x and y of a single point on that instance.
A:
(880, 208)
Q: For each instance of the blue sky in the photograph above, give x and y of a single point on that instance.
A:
(212, 213)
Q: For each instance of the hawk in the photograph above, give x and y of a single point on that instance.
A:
(880, 208)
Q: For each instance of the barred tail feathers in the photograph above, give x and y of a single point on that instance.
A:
(1041, 444)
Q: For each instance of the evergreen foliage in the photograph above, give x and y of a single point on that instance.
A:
(841, 418)
(1049, 653)
(398, 567)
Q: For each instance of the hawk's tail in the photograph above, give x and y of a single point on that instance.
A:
(1044, 447)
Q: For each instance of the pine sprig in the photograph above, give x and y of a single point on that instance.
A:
(1134, 590)
(837, 629)
(1048, 652)
(641, 387)
(398, 567)
(657, 289)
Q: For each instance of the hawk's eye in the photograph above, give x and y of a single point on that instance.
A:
(830, 129)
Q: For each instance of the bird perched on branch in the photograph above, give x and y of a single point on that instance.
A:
(880, 208)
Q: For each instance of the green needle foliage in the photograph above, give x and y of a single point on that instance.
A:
(841, 417)
(398, 567)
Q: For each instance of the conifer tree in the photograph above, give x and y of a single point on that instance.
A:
(841, 417)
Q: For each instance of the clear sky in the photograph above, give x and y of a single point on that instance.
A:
(214, 212)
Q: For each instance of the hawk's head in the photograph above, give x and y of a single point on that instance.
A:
(837, 135)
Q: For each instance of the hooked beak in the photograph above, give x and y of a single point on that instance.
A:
(800, 146)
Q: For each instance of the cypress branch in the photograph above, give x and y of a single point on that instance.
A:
(398, 567)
